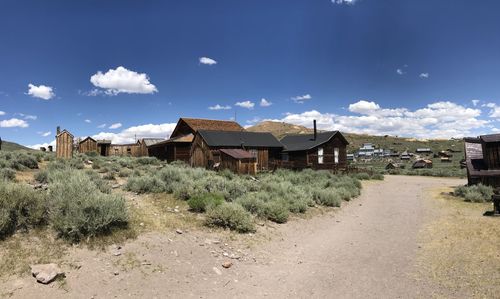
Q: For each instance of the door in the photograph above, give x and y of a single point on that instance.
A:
(198, 159)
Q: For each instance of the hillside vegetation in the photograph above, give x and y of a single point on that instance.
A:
(12, 146)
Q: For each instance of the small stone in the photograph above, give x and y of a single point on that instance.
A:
(117, 253)
(141, 224)
(116, 273)
(227, 264)
(180, 232)
(217, 271)
(46, 273)
(225, 254)
(176, 210)
(116, 186)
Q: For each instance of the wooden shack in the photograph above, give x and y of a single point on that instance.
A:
(146, 143)
(238, 161)
(178, 147)
(131, 149)
(325, 150)
(87, 145)
(64, 144)
(422, 163)
(205, 150)
(50, 148)
(482, 158)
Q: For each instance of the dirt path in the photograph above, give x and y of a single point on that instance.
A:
(367, 249)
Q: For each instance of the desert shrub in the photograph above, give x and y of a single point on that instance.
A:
(76, 163)
(22, 160)
(276, 211)
(201, 202)
(232, 216)
(362, 176)
(91, 154)
(144, 184)
(42, 176)
(124, 173)
(7, 174)
(377, 176)
(100, 183)
(474, 193)
(109, 176)
(78, 209)
(20, 207)
(253, 203)
(147, 161)
(328, 198)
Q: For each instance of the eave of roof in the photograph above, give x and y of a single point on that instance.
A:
(304, 142)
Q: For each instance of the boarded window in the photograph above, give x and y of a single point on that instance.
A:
(336, 155)
(320, 155)
(284, 157)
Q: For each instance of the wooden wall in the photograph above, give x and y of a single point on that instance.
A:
(64, 145)
(133, 150)
(309, 159)
(239, 166)
(88, 145)
(491, 155)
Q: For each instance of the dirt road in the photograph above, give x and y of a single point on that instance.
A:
(365, 250)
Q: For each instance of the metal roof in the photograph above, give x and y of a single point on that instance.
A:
(151, 141)
(239, 139)
(237, 153)
(490, 138)
(305, 142)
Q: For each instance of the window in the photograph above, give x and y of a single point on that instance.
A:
(255, 154)
(320, 155)
(285, 157)
(336, 155)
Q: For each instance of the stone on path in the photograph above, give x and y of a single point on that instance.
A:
(46, 273)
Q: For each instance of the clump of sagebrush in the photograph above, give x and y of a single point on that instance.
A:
(232, 216)
(124, 173)
(79, 209)
(202, 202)
(20, 207)
(18, 160)
(144, 184)
(474, 193)
(7, 174)
(42, 176)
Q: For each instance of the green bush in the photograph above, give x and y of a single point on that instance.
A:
(109, 176)
(20, 207)
(232, 216)
(78, 209)
(328, 198)
(124, 173)
(148, 161)
(474, 193)
(7, 174)
(276, 211)
(144, 184)
(42, 176)
(201, 202)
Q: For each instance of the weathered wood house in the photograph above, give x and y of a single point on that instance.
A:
(422, 163)
(482, 157)
(205, 150)
(130, 149)
(178, 147)
(325, 150)
(64, 144)
(87, 145)
(104, 147)
(238, 161)
(146, 143)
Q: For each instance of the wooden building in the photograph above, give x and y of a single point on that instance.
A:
(178, 147)
(482, 158)
(104, 147)
(205, 150)
(238, 161)
(131, 149)
(87, 145)
(422, 163)
(325, 150)
(146, 143)
(64, 144)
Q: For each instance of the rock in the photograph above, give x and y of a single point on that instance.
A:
(141, 224)
(180, 232)
(209, 241)
(46, 273)
(227, 264)
(116, 273)
(89, 162)
(117, 253)
(116, 186)
(225, 254)
(176, 210)
(217, 271)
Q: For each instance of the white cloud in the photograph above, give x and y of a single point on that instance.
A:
(13, 122)
(254, 120)
(245, 104)
(265, 103)
(301, 99)
(208, 61)
(122, 80)
(424, 75)
(347, 2)
(45, 134)
(101, 126)
(115, 126)
(2, 112)
(495, 110)
(41, 91)
(475, 102)
(27, 116)
(436, 120)
(399, 71)
(88, 121)
(219, 107)
(129, 135)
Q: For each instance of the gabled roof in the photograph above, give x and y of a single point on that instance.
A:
(237, 153)
(88, 138)
(239, 139)
(151, 141)
(65, 131)
(490, 138)
(196, 124)
(305, 142)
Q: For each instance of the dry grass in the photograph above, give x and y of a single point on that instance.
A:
(460, 250)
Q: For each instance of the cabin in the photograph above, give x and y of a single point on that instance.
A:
(178, 147)
(43, 149)
(205, 150)
(87, 145)
(64, 144)
(425, 151)
(422, 163)
(238, 161)
(50, 148)
(405, 155)
(482, 158)
(325, 150)
(131, 149)
(445, 160)
(146, 143)
(392, 165)
(104, 147)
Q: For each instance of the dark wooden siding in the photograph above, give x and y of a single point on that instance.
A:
(309, 158)
(87, 146)
(491, 155)
(64, 145)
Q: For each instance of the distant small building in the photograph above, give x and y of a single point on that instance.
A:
(64, 144)
(425, 150)
(367, 150)
(422, 163)
(87, 145)
(405, 155)
(444, 154)
(393, 165)
(238, 161)
(43, 149)
(446, 160)
(50, 148)
(350, 157)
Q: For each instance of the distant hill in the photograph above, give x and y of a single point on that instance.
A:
(280, 129)
(12, 146)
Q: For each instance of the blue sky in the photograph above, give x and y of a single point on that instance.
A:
(426, 69)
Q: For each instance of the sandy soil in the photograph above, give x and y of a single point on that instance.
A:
(368, 249)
